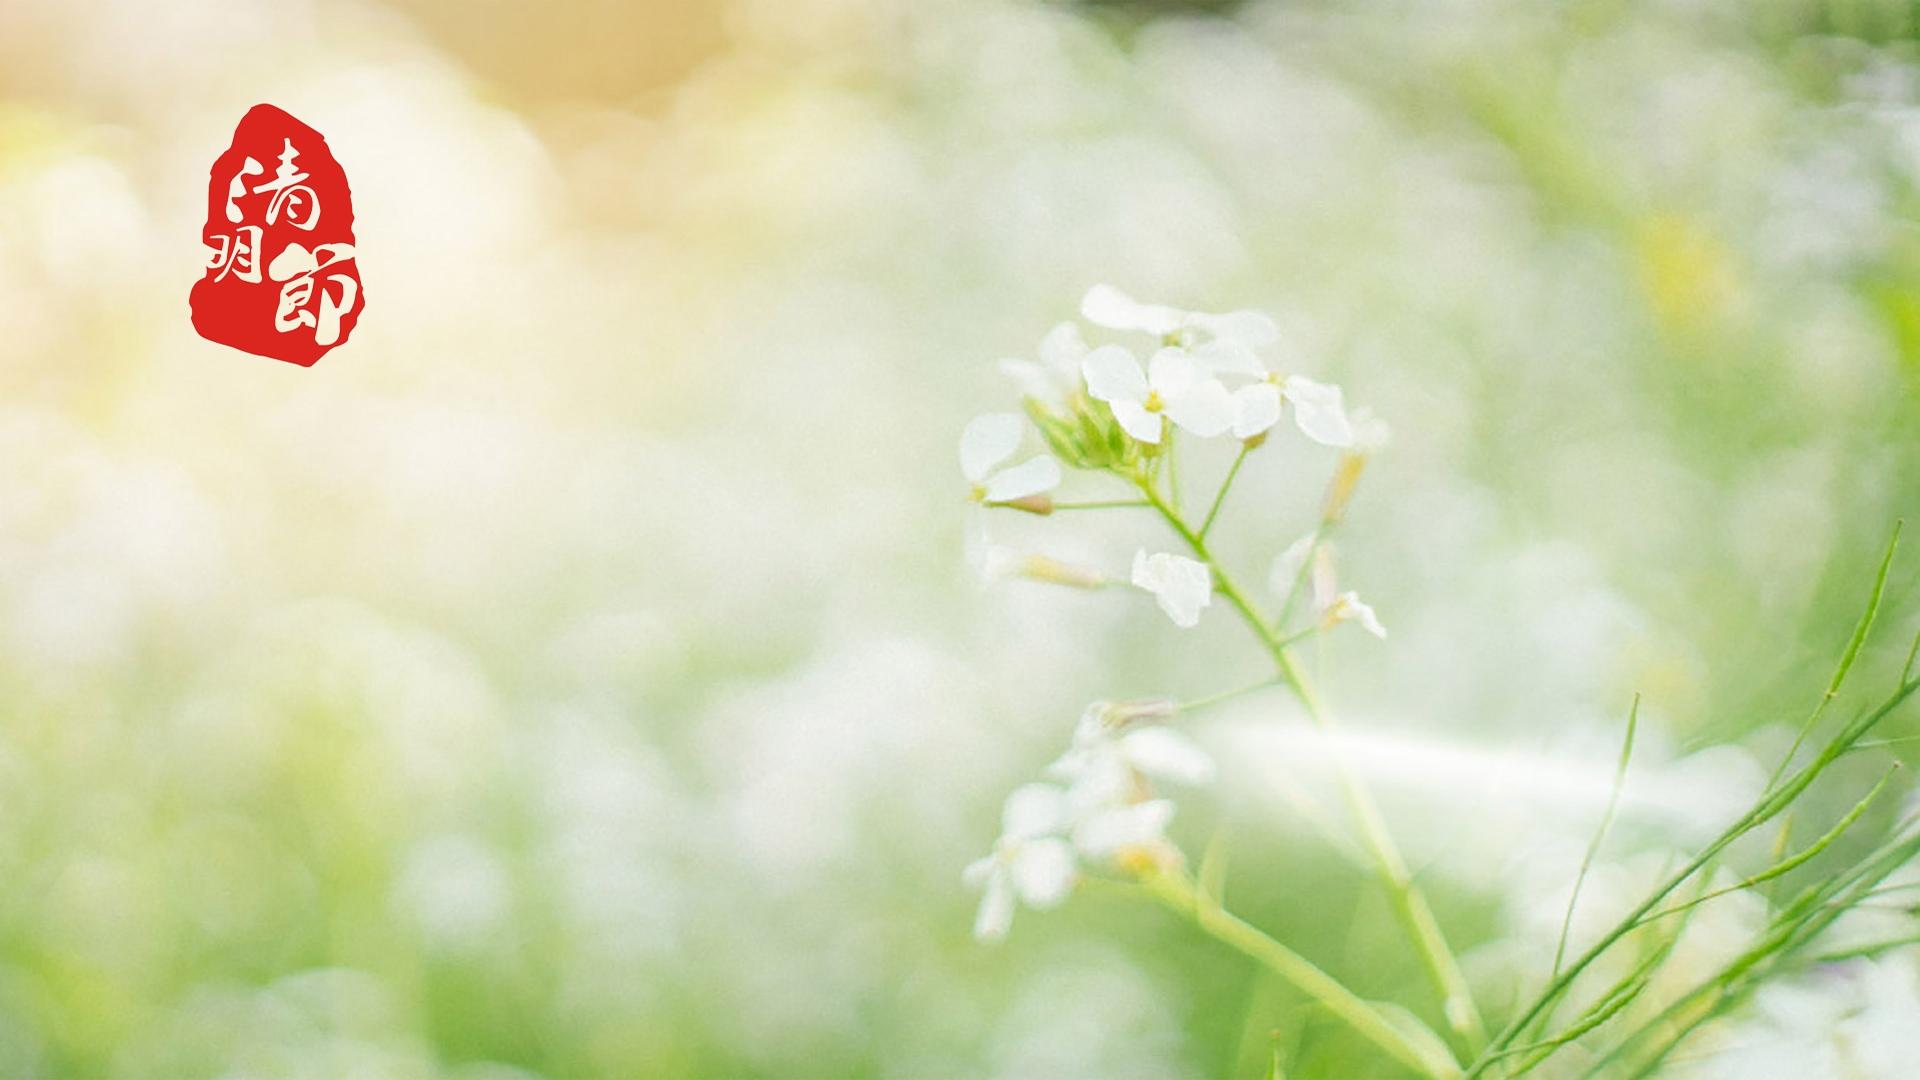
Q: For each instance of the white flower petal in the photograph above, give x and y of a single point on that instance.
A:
(992, 562)
(1147, 573)
(1256, 408)
(1042, 872)
(1174, 371)
(979, 870)
(1034, 380)
(1181, 586)
(1136, 421)
(1102, 780)
(1165, 754)
(1033, 810)
(987, 441)
(1325, 585)
(1030, 477)
(1205, 408)
(1229, 358)
(1287, 566)
(995, 916)
(1063, 349)
(1247, 328)
(1113, 374)
(1349, 607)
(1107, 306)
(1318, 411)
(1122, 827)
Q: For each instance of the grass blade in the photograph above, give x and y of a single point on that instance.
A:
(1847, 657)
(1600, 834)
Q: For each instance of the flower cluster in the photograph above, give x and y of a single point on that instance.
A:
(1101, 409)
(1111, 410)
(1185, 381)
(1101, 813)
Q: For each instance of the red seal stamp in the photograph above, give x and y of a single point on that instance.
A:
(282, 279)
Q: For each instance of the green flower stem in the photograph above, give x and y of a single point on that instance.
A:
(1409, 902)
(1173, 469)
(1106, 504)
(1220, 497)
(1227, 695)
(1176, 890)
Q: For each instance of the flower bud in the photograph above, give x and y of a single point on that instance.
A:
(1346, 477)
(1122, 713)
(1055, 572)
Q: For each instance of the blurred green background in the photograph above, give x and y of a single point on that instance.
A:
(578, 674)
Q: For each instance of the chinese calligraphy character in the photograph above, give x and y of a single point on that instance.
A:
(238, 254)
(296, 267)
(288, 191)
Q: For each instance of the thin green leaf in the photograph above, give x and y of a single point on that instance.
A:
(1858, 639)
(1770, 805)
(1789, 865)
(1600, 834)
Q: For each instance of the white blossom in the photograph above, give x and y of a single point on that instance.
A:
(1109, 770)
(1318, 409)
(986, 444)
(1105, 762)
(1124, 827)
(1183, 587)
(1056, 375)
(1349, 607)
(1031, 864)
(1331, 605)
(1227, 338)
(1175, 385)
(1320, 577)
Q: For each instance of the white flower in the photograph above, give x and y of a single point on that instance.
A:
(1182, 586)
(1332, 606)
(1256, 408)
(1108, 770)
(1056, 376)
(1106, 766)
(1175, 384)
(1123, 828)
(993, 562)
(1030, 864)
(1289, 563)
(1228, 338)
(988, 442)
(1349, 607)
(1318, 410)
